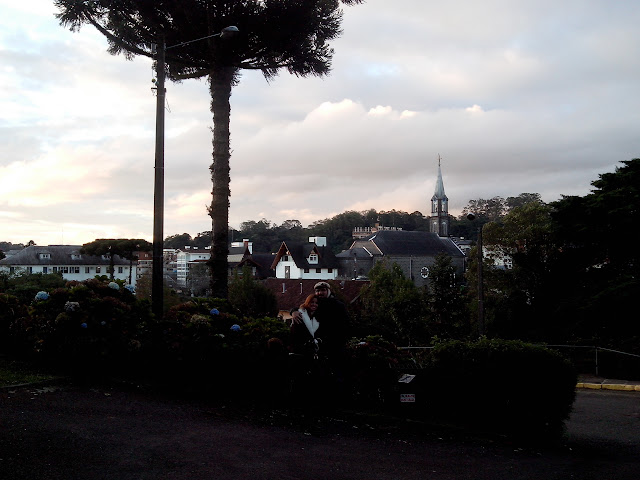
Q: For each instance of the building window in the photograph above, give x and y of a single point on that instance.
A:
(29, 269)
(330, 270)
(120, 270)
(306, 270)
(97, 269)
(45, 269)
(318, 270)
(87, 269)
(313, 258)
(74, 269)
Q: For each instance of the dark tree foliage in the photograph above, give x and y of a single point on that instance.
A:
(273, 35)
(602, 269)
(448, 316)
(122, 247)
(178, 241)
(11, 246)
(393, 306)
(251, 298)
(486, 210)
(523, 199)
(517, 300)
(202, 239)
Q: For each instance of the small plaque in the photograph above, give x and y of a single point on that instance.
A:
(407, 398)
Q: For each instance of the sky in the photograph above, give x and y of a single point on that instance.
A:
(514, 96)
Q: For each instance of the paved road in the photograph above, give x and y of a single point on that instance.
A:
(76, 432)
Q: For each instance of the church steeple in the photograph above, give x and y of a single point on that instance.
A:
(439, 219)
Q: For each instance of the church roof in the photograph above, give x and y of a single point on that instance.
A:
(413, 243)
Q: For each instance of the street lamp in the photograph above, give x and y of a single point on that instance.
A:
(157, 292)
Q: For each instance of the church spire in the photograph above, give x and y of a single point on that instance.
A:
(439, 193)
(439, 219)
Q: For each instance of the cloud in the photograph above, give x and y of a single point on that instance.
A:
(515, 97)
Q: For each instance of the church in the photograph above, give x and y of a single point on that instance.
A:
(439, 220)
(413, 251)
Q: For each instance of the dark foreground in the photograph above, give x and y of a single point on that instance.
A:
(78, 432)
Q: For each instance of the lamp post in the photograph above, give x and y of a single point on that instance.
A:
(157, 288)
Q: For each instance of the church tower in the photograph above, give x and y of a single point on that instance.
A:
(439, 218)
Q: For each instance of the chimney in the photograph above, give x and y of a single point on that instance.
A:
(319, 241)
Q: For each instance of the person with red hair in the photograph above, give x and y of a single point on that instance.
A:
(306, 338)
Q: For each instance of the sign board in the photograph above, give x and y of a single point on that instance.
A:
(407, 398)
(406, 378)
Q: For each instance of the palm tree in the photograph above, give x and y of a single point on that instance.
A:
(272, 35)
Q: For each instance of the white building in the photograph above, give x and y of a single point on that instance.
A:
(186, 257)
(67, 260)
(312, 260)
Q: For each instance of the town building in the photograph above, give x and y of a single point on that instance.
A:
(68, 261)
(364, 232)
(186, 258)
(310, 260)
(415, 253)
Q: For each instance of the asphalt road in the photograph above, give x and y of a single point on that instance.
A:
(74, 432)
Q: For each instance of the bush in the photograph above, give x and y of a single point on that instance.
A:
(507, 386)
(373, 371)
(83, 327)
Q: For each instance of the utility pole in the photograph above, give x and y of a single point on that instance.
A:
(157, 276)
(157, 286)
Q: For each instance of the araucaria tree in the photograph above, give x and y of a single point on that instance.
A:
(272, 35)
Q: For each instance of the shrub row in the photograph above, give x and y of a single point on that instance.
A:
(96, 327)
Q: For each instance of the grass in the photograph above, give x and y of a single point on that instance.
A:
(14, 372)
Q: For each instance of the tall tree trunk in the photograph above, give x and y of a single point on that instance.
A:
(220, 84)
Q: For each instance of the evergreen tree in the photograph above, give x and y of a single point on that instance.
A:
(393, 306)
(122, 247)
(447, 305)
(250, 297)
(273, 34)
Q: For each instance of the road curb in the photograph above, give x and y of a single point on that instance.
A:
(609, 386)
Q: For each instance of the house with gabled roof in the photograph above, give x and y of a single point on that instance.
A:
(415, 252)
(310, 260)
(69, 262)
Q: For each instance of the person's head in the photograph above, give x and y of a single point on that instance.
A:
(311, 303)
(322, 289)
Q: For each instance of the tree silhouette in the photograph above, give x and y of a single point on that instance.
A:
(273, 34)
(122, 247)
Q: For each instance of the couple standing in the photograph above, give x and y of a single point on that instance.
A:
(319, 333)
(320, 326)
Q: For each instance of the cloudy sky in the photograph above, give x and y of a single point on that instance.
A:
(515, 96)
